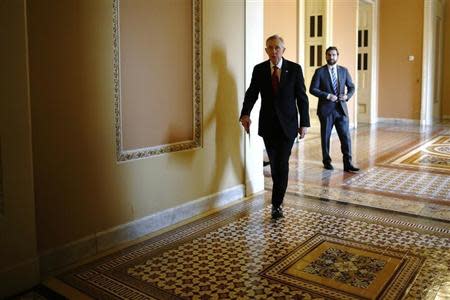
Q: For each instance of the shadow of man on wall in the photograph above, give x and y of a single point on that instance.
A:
(224, 116)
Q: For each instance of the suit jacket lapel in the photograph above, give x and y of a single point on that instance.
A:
(340, 77)
(283, 73)
(268, 73)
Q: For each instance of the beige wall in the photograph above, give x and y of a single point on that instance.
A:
(401, 35)
(280, 17)
(344, 38)
(81, 189)
(19, 268)
(446, 69)
(156, 72)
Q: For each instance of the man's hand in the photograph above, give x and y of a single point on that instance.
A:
(333, 98)
(245, 121)
(343, 97)
(302, 132)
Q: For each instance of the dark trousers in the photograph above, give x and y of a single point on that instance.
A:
(278, 149)
(340, 121)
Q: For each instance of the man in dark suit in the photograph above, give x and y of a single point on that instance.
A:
(283, 96)
(333, 86)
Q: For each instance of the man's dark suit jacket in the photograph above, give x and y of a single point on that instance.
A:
(321, 86)
(291, 95)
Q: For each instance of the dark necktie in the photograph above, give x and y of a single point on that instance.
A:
(275, 80)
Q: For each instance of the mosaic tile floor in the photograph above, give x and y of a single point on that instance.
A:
(371, 235)
(433, 155)
(319, 250)
(403, 169)
(434, 187)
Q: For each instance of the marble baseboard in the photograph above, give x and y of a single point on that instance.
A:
(398, 121)
(20, 277)
(53, 260)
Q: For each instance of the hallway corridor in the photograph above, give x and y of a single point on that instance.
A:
(382, 233)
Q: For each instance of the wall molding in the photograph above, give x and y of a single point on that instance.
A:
(196, 142)
(52, 261)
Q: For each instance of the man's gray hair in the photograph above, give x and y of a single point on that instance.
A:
(275, 37)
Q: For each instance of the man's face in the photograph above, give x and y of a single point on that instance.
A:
(332, 57)
(275, 50)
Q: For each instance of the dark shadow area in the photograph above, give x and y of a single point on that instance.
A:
(39, 292)
(224, 116)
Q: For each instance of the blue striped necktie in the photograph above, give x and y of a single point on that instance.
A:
(334, 81)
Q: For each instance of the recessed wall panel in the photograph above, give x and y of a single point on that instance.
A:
(158, 66)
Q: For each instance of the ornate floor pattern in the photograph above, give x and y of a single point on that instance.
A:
(403, 169)
(435, 187)
(319, 250)
(345, 269)
(387, 201)
(433, 155)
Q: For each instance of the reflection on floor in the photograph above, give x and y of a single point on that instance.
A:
(404, 169)
(381, 234)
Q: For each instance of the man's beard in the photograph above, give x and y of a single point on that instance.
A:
(331, 62)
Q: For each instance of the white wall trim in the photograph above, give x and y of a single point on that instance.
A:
(375, 55)
(53, 260)
(20, 277)
(398, 121)
(426, 110)
(255, 185)
(329, 18)
(301, 22)
(253, 146)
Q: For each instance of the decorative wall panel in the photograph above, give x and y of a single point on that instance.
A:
(157, 76)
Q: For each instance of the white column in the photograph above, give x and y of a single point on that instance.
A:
(254, 49)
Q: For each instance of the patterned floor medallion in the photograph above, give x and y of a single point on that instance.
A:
(319, 250)
(433, 155)
(342, 269)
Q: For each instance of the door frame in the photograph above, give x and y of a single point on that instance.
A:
(374, 50)
(302, 24)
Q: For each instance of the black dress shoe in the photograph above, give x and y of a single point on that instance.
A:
(351, 168)
(328, 166)
(277, 212)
